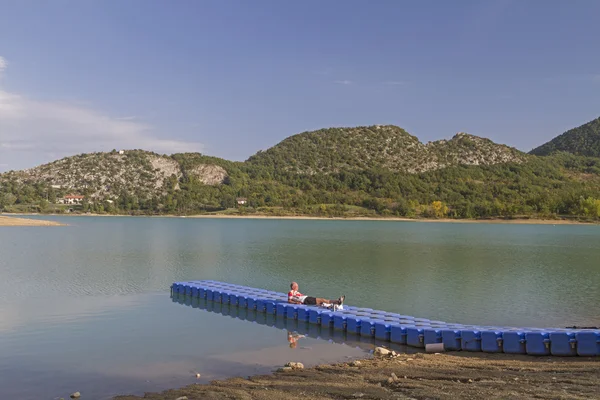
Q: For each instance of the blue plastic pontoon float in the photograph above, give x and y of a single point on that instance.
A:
(304, 328)
(401, 329)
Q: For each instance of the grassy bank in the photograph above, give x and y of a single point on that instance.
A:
(420, 376)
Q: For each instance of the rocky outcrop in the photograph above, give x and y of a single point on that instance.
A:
(209, 174)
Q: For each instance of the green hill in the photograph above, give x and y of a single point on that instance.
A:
(583, 141)
(376, 170)
(378, 147)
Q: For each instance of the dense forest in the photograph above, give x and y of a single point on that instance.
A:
(365, 171)
(583, 141)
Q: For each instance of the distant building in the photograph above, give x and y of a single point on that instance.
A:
(241, 201)
(121, 151)
(71, 199)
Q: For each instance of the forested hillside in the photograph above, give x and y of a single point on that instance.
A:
(583, 141)
(378, 147)
(378, 170)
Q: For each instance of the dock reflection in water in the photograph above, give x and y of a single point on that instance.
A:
(296, 330)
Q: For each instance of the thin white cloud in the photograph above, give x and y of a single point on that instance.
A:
(3, 64)
(344, 82)
(34, 131)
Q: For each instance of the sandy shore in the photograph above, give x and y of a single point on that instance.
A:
(532, 221)
(12, 221)
(416, 376)
(398, 219)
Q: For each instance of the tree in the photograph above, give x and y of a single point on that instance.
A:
(590, 207)
(7, 200)
(439, 209)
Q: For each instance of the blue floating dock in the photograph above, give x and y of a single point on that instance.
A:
(393, 328)
(303, 328)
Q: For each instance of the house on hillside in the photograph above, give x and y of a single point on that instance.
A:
(71, 199)
(241, 201)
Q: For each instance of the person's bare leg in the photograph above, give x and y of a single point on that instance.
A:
(320, 301)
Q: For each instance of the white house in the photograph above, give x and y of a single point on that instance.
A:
(71, 199)
(241, 201)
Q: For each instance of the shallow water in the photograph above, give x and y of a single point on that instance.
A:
(87, 307)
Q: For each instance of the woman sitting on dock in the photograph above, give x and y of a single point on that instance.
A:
(294, 296)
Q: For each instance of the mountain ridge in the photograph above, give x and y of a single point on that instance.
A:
(380, 146)
(583, 141)
(379, 169)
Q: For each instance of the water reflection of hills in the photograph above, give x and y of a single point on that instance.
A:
(292, 326)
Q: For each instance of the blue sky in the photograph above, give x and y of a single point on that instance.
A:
(229, 78)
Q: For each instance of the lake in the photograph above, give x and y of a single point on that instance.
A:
(87, 307)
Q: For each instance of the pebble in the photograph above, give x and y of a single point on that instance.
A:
(295, 365)
(381, 351)
(76, 395)
(182, 398)
(358, 395)
(355, 363)
(409, 359)
(284, 369)
(516, 379)
(198, 375)
(390, 380)
(470, 380)
(394, 376)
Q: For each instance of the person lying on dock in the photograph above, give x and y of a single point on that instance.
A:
(294, 296)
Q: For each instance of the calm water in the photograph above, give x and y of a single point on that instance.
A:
(87, 307)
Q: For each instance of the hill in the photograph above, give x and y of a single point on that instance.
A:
(377, 170)
(379, 147)
(125, 180)
(582, 141)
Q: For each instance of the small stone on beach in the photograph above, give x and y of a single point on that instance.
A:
(295, 365)
(381, 351)
(76, 395)
(284, 369)
(355, 363)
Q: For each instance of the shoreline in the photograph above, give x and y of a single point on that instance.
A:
(408, 376)
(517, 221)
(14, 221)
